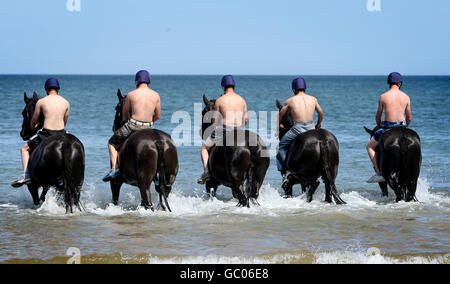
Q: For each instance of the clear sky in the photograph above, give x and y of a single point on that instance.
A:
(316, 37)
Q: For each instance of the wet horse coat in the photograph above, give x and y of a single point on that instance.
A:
(147, 156)
(399, 158)
(242, 166)
(312, 155)
(57, 162)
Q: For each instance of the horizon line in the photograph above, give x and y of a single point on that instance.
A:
(174, 74)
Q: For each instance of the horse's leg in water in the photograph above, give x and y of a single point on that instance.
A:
(163, 197)
(238, 189)
(398, 191)
(288, 191)
(33, 188)
(384, 188)
(304, 188)
(328, 198)
(144, 187)
(116, 184)
(252, 187)
(163, 192)
(211, 188)
(331, 191)
(44, 193)
(161, 205)
(412, 188)
(312, 187)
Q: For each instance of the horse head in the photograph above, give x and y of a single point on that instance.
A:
(287, 120)
(27, 113)
(207, 114)
(118, 119)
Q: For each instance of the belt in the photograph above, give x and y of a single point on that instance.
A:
(140, 123)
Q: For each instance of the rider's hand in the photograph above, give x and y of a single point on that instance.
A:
(318, 126)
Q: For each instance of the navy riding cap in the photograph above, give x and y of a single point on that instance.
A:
(228, 80)
(395, 78)
(299, 84)
(51, 83)
(142, 77)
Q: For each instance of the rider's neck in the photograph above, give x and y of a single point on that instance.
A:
(229, 91)
(395, 87)
(143, 85)
(52, 93)
(300, 93)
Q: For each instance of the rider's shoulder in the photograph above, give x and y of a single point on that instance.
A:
(311, 97)
(404, 95)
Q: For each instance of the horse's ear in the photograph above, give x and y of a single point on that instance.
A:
(119, 95)
(35, 96)
(279, 105)
(368, 131)
(206, 101)
(25, 98)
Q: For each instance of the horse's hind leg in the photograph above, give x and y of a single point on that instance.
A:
(243, 200)
(116, 184)
(146, 196)
(211, 189)
(412, 188)
(311, 190)
(44, 193)
(163, 194)
(33, 189)
(384, 188)
(166, 195)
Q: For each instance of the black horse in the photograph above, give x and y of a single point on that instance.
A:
(57, 162)
(399, 158)
(312, 155)
(146, 156)
(244, 161)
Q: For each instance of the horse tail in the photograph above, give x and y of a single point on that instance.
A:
(161, 170)
(404, 177)
(70, 189)
(328, 177)
(161, 173)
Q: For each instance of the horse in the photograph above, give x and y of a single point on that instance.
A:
(146, 156)
(312, 155)
(244, 161)
(58, 161)
(399, 158)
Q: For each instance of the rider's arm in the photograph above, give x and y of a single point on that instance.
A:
(408, 113)
(379, 113)
(320, 113)
(157, 114)
(245, 114)
(281, 115)
(36, 115)
(126, 109)
(216, 115)
(66, 115)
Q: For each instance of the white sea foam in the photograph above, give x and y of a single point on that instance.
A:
(335, 257)
(97, 201)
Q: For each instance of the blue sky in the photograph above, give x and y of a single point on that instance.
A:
(316, 37)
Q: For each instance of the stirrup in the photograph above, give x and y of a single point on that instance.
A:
(376, 179)
(112, 175)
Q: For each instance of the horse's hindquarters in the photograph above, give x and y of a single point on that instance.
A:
(59, 162)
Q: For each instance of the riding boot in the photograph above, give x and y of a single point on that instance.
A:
(23, 180)
(205, 178)
(112, 175)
